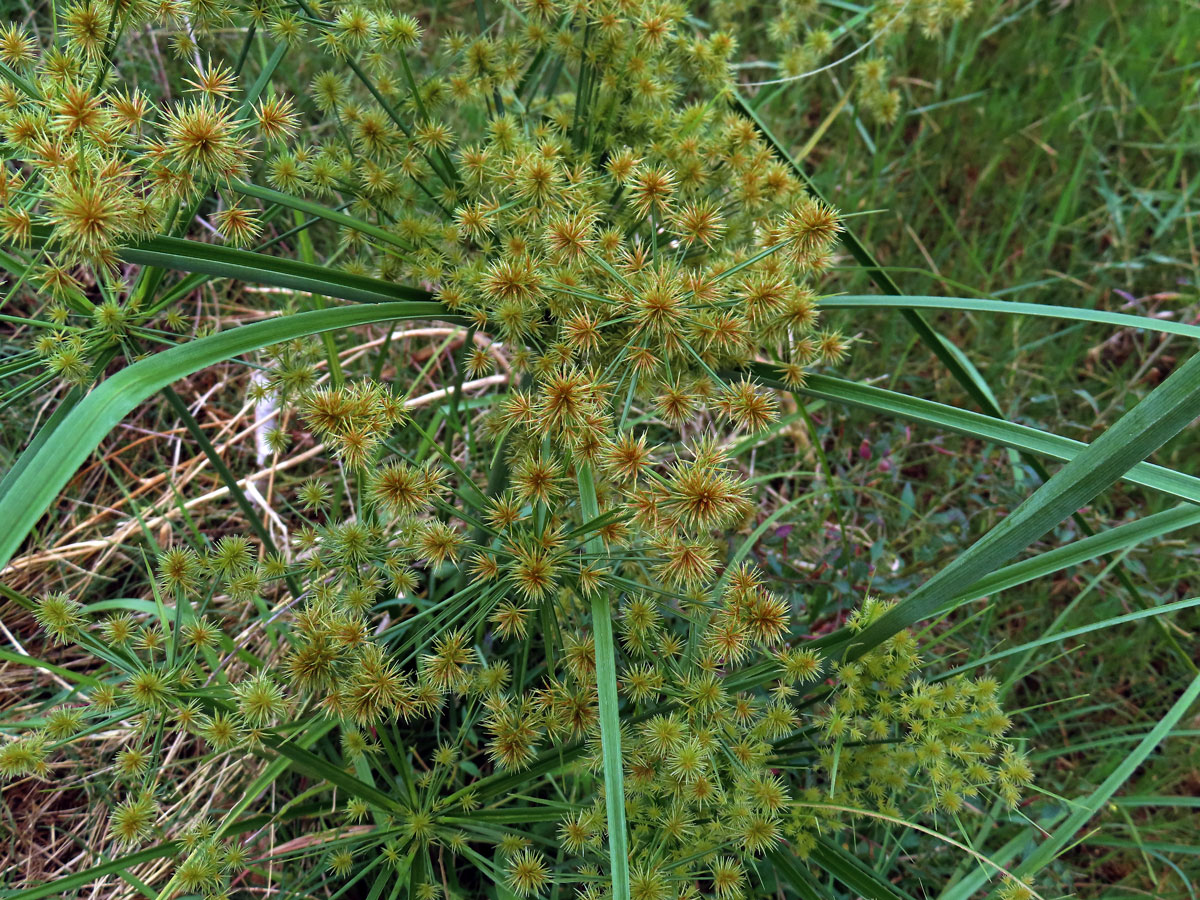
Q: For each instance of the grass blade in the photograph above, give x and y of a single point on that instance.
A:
(305, 761)
(1087, 807)
(797, 876)
(267, 195)
(977, 425)
(1111, 541)
(1076, 632)
(1012, 307)
(1160, 416)
(854, 873)
(258, 268)
(610, 716)
(85, 426)
(62, 886)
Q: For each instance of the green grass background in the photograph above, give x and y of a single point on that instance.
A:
(1047, 153)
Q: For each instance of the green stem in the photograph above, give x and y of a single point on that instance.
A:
(606, 689)
(230, 480)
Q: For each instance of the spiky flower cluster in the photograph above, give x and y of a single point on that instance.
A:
(353, 420)
(892, 737)
(570, 180)
(801, 38)
(740, 740)
(633, 226)
(725, 759)
(94, 164)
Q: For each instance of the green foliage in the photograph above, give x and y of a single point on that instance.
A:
(510, 645)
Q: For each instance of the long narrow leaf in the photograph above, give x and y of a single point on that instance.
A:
(258, 268)
(1141, 431)
(793, 871)
(1087, 807)
(854, 873)
(609, 701)
(973, 424)
(85, 426)
(315, 209)
(1177, 606)
(326, 771)
(61, 887)
(1081, 551)
(1011, 307)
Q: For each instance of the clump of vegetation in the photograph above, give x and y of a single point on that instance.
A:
(517, 636)
(735, 744)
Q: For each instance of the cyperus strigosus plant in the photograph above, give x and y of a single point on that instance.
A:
(576, 685)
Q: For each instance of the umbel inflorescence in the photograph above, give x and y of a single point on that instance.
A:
(572, 182)
(738, 740)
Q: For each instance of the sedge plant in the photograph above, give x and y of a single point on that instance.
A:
(508, 643)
